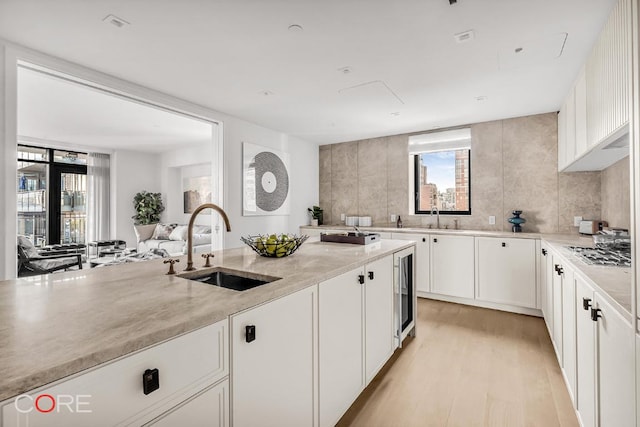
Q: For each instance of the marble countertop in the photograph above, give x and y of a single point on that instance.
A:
(393, 229)
(56, 325)
(613, 283)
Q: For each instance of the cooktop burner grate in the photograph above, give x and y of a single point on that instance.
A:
(597, 256)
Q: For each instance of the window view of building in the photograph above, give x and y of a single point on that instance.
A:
(442, 176)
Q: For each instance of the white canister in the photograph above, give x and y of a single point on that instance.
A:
(364, 221)
(351, 221)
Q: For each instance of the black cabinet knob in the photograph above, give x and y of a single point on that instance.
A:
(250, 333)
(595, 314)
(560, 271)
(544, 252)
(371, 275)
(361, 279)
(435, 240)
(150, 380)
(504, 245)
(424, 239)
(586, 303)
(557, 267)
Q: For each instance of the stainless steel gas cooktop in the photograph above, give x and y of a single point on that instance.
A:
(598, 256)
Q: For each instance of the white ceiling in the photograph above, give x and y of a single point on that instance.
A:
(225, 53)
(56, 111)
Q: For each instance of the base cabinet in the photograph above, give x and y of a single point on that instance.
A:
(546, 284)
(273, 372)
(210, 408)
(452, 265)
(586, 354)
(556, 290)
(506, 271)
(569, 360)
(421, 258)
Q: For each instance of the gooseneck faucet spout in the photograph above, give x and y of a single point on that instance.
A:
(195, 213)
(435, 209)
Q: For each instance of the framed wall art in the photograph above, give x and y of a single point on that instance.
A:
(265, 181)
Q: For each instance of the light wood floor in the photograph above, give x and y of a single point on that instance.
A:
(468, 366)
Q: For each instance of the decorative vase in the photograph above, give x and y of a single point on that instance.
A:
(516, 221)
(314, 222)
(320, 216)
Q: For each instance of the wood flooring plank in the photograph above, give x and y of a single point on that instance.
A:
(468, 366)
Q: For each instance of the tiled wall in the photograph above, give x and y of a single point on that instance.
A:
(513, 166)
(616, 199)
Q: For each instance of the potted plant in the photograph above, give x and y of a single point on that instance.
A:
(316, 215)
(148, 208)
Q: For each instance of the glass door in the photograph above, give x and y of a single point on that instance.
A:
(32, 196)
(69, 208)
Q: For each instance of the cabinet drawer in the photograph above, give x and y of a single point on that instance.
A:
(112, 393)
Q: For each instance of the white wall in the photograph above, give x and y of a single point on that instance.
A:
(131, 172)
(131, 175)
(303, 180)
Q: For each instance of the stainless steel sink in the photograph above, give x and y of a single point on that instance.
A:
(229, 279)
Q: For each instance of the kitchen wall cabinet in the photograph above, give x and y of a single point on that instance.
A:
(273, 372)
(546, 283)
(421, 264)
(452, 265)
(211, 405)
(586, 354)
(608, 72)
(355, 334)
(506, 271)
(616, 382)
(114, 392)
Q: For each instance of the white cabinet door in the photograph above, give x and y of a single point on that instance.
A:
(378, 310)
(452, 265)
(616, 406)
(340, 345)
(570, 142)
(506, 271)
(421, 264)
(556, 285)
(273, 376)
(569, 329)
(546, 281)
(581, 114)
(562, 138)
(207, 409)
(586, 355)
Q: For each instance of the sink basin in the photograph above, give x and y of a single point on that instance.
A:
(229, 279)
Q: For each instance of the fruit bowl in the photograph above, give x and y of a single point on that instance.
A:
(275, 246)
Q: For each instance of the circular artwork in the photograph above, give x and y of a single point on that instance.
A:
(272, 181)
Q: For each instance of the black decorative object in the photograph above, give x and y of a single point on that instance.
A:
(516, 221)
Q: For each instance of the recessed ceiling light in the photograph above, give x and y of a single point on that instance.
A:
(345, 70)
(395, 113)
(519, 49)
(295, 28)
(115, 21)
(481, 98)
(265, 92)
(465, 36)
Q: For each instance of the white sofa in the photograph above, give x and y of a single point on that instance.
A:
(172, 238)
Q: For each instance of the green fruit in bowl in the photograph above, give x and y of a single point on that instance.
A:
(281, 252)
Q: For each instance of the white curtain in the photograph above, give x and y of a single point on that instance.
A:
(98, 171)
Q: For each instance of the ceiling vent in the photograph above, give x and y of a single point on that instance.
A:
(465, 36)
(115, 21)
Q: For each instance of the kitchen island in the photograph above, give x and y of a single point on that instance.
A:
(56, 326)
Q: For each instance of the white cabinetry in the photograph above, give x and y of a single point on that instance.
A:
(355, 334)
(506, 271)
(586, 355)
(452, 265)
(569, 329)
(273, 373)
(556, 289)
(616, 382)
(207, 408)
(114, 393)
(546, 283)
(421, 264)
(378, 314)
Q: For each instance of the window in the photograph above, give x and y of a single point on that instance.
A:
(442, 171)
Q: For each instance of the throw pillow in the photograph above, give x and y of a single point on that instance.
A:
(201, 239)
(163, 231)
(27, 247)
(179, 233)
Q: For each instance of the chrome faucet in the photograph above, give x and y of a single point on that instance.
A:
(195, 213)
(435, 208)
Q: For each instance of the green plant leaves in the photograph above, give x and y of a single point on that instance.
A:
(148, 207)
